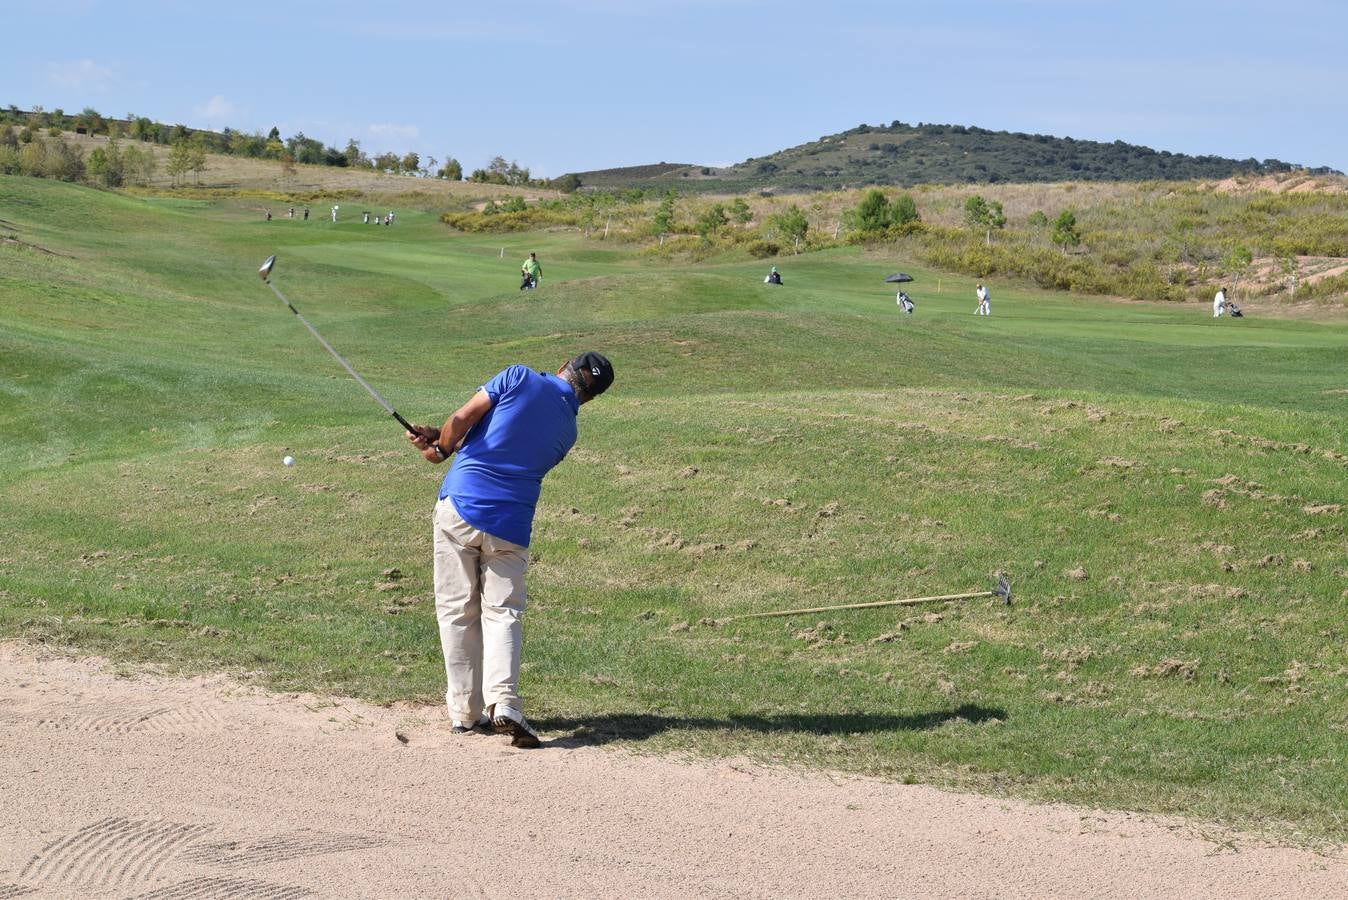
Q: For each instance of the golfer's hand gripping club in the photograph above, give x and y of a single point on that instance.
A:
(426, 438)
(265, 272)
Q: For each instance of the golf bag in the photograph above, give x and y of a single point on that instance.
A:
(1234, 311)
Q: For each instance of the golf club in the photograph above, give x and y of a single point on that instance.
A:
(1002, 589)
(265, 272)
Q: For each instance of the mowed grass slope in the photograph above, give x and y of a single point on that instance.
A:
(1166, 493)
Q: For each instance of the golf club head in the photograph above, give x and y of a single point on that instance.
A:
(265, 270)
(1003, 589)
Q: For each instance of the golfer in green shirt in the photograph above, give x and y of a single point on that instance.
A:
(531, 271)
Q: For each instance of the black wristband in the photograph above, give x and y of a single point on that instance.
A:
(439, 451)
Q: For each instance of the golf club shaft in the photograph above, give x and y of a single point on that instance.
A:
(911, 601)
(337, 356)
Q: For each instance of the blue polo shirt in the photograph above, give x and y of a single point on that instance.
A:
(497, 475)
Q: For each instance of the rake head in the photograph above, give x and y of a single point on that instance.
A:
(1003, 589)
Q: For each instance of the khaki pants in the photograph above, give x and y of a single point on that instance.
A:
(479, 603)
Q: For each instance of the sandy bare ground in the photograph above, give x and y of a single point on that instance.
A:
(146, 786)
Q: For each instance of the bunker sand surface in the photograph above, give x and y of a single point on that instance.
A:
(158, 787)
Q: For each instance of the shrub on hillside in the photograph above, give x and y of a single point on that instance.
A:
(509, 220)
(876, 217)
(761, 249)
(1336, 286)
(48, 158)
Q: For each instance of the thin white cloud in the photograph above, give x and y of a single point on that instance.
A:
(390, 130)
(218, 111)
(81, 75)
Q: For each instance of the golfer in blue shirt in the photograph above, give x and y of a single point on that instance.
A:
(507, 437)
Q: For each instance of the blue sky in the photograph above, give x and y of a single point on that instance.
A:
(580, 84)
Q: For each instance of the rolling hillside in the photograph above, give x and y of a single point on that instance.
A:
(936, 154)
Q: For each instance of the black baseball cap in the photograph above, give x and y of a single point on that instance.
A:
(598, 371)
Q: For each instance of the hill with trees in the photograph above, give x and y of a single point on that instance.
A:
(18, 126)
(901, 154)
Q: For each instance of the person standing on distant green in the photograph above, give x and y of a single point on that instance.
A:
(532, 271)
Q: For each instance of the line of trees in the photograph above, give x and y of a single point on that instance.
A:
(288, 152)
(298, 148)
(114, 164)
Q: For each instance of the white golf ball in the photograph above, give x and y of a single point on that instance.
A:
(289, 460)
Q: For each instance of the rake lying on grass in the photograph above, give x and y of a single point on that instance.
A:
(1003, 590)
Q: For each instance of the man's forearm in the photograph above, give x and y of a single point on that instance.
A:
(463, 419)
(453, 432)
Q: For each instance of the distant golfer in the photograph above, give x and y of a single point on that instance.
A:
(984, 307)
(530, 271)
(508, 436)
(1219, 303)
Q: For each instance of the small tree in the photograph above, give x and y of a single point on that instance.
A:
(588, 214)
(106, 164)
(872, 216)
(354, 156)
(1289, 268)
(664, 216)
(93, 120)
(740, 212)
(1065, 232)
(1236, 262)
(712, 220)
(138, 165)
(411, 163)
(179, 161)
(603, 205)
(903, 210)
(984, 215)
(792, 224)
(452, 170)
(197, 157)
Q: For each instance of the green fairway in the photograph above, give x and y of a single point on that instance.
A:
(1166, 492)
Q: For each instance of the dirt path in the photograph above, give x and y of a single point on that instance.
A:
(143, 786)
